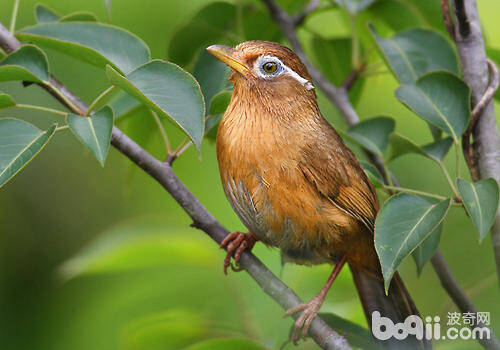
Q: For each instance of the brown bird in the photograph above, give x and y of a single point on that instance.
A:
(294, 183)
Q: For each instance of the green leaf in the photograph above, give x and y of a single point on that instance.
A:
(219, 102)
(437, 150)
(258, 25)
(168, 90)
(94, 131)
(227, 344)
(6, 101)
(210, 25)
(402, 224)
(356, 335)
(373, 133)
(211, 74)
(373, 174)
(218, 106)
(95, 43)
(481, 201)
(20, 142)
(82, 16)
(334, 58)
(138, 245)
(396, 14)
(43, 14)
(415, 52)
(400, 145)
(171, 329)
(29, 63)
(122, 104)
(211, 126)
(424, 252)
(441, 99)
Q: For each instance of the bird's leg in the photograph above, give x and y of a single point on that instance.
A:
(310, 310)
(236, 243)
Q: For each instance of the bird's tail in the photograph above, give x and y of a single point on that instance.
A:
(396, 306)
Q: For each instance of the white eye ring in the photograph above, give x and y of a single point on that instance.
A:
(281, 68)
(262, 60)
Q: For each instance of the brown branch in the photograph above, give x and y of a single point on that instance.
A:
(456, 293)
(319, 331)
(486, 145)
(448, 23)
(469, 154)
(311, 6)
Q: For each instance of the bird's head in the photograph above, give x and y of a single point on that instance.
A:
(265, 66)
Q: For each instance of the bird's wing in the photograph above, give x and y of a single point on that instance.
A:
(330, 166)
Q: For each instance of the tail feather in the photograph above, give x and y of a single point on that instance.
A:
(397, 306)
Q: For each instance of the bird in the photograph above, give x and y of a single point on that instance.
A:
(295, 184)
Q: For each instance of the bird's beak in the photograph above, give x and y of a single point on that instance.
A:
(225, 54)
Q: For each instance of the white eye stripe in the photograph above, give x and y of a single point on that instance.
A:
(282, 69)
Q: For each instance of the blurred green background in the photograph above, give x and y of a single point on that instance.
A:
(144, 278)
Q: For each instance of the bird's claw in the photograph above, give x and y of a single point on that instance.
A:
(309, 312)
(236, 243)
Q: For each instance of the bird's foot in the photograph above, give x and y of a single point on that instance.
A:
(236, 243)
(309, 312)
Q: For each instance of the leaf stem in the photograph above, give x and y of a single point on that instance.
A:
(457, 149)
(387, 174)
(13, 19)
(448, 178)
(356, 61)
(40, 108)
(61, 128)
(163, 133)
(100, 98)
(420, 193)
(62, 97)
(179, 150)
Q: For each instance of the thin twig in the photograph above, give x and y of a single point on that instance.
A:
(319, 331)
(448, 23)
(478, 110)
(488, 94)
(311, 6)
(417, 192)
(459, 297)
(13, 19)
(99, 98)
(40, 108)
(163, 133)
(61, 128)
(473, 61)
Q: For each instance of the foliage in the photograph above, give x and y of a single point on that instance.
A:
(192, 93)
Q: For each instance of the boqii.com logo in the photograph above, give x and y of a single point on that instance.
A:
(467, 325)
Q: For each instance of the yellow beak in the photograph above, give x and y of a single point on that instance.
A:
(225, 54)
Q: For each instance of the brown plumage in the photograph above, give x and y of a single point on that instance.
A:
(290, 177)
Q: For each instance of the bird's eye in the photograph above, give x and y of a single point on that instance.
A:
(270, 67)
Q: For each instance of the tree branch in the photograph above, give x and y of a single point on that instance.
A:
(456, 293)
(319, 331)
(486, 146)
(468, 151)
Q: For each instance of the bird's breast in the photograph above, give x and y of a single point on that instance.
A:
(260, 173)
